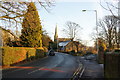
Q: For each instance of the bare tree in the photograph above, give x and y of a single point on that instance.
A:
(12, 13)
(71, 29)
(109, 30)
(114, 9)
(46, 4)
(12, 10)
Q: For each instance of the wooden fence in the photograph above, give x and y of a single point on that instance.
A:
(112, 65)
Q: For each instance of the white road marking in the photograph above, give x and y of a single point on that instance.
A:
(35, 70)
(66, 54)
(32, 71)
(82, 72)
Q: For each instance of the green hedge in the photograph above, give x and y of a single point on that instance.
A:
(12, 55)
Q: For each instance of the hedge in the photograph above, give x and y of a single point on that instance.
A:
(12, 55)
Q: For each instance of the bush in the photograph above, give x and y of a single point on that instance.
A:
(12, 55)
(15, 44)
(31, 53)
(45, 51)
(39, 52)
(88, 53)
(73, 53)
(80, 53)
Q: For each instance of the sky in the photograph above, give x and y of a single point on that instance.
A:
(71, 10)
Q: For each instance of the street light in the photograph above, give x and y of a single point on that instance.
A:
(83, 10)
(96, 17)
(96, 25)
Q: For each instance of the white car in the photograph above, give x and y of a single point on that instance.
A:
(91, 57)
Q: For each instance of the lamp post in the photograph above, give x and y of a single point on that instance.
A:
(96, 26)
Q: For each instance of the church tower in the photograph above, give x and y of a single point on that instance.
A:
(56, 35)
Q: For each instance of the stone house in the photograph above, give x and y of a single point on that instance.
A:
(67, 46)
(6, 36)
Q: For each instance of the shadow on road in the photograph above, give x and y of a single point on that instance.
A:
(92, 69)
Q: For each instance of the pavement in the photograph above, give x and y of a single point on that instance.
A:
(92, 69)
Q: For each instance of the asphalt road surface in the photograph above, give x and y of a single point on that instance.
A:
(92, 69)
(59, 66)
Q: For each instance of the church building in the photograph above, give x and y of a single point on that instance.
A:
(65, 44)
(56, 35)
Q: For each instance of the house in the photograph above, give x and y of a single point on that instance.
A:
(67, 44)
(64, 39)
(63, 44)
(6, 36)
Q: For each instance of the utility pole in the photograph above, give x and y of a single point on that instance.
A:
(118, 29)
(96, 27)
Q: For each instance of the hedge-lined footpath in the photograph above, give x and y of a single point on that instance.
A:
(12, 55)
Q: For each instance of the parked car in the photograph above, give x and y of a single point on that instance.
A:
(116, 51)
(91, 57)
(51, 53)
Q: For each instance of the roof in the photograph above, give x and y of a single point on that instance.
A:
(8, 32)
(64, 43)
(64, 39)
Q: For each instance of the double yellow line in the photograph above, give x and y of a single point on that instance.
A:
(77, 72)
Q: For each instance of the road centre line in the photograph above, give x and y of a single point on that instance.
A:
(36, 70)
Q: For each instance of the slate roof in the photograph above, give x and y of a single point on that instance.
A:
(64, 43)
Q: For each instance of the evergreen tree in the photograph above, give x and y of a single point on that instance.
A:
(32, 29)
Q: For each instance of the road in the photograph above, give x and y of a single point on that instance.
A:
(59, 66)
(92, 69)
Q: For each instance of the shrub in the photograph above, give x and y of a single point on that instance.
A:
(73, 53)
(45, 49)
(88, 53)
(39, 53)
(31, 53)
(12, 55)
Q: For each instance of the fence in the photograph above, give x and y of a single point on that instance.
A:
(112, 65)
